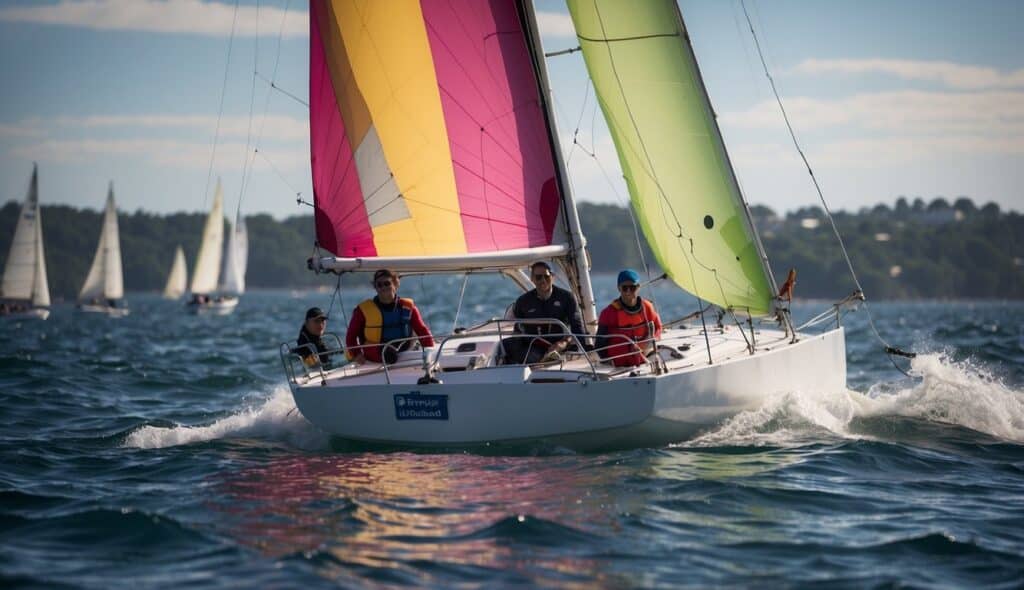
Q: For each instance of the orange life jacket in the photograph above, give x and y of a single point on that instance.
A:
(633, 325)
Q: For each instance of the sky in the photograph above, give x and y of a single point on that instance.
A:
(887, 98)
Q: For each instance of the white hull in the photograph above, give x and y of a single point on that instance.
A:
(571, 405)
(114, 312)
(36, 313)
(222, 307)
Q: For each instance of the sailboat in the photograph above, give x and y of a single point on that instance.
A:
(236, 259)
(177, 279)
(210, 293)
(103, 291)
(24, 289)
(460, 171)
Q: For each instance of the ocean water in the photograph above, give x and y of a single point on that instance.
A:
(164, 450)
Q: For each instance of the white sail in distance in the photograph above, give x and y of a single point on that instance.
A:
(236, 258)
(204, 278)
(177, 280)
(106, 277)
(24, 275)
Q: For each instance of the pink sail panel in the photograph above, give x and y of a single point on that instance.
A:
(428, 137)
(501, 151)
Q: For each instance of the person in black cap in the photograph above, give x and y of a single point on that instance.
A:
(545, 301)
(311, 339)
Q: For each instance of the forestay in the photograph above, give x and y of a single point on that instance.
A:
(681, 183)
(430, 143)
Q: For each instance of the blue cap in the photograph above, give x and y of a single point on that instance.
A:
(628, 275)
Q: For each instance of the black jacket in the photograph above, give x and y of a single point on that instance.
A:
(560, 306)
(305, 339)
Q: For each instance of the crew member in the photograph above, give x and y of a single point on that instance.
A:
(628, 327)
(387, 317)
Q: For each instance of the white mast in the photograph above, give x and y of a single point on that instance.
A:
(578, 254)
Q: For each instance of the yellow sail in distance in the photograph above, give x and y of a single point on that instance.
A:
(679, 177)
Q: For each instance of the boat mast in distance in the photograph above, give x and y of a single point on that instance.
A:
(103, 289)
(24, 287)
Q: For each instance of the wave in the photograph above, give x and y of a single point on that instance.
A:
(277, 419)
(946, 392)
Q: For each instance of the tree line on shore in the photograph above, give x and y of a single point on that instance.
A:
(912, 250)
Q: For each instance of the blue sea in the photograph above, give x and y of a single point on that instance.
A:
(163, 450)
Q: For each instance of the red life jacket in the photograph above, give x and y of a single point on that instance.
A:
(635, 326)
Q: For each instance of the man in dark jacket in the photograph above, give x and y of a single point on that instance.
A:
(311, 340)
(541, 341)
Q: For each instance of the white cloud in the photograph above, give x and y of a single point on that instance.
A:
(20, 130)
(994, 113)
(951, 74)
(276, 127)
(163, 152)
(155, 16)
(554, 24)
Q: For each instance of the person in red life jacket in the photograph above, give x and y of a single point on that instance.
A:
(386, 317)
(628, 317)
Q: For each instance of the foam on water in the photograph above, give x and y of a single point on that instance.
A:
(277, 419)
(956, 393)
(945, 392)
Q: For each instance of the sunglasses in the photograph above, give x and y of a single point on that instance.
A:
(628, 287)
(383, 284)
(541, 277)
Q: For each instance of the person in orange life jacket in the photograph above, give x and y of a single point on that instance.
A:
(545, 301)
(310, 341)
(384, 318)
(630, 317)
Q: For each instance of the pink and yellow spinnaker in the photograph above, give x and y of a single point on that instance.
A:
(428, 134)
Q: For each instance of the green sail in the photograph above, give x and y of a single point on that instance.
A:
(672, 155)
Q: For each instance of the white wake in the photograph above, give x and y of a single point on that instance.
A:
(277, 419)
(956, 393)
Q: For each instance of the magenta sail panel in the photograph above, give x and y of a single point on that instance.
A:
(501, 152)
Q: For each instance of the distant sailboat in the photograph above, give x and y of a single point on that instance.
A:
(208, 292)
(24, 290)
(103, 291)
(177, 280)
(236, 258)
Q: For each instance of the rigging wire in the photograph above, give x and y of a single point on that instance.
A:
(274, 86)
(266, 108)
(890, 350)
(592, 153)
(246, 158)
(298, 194)
(220, 111)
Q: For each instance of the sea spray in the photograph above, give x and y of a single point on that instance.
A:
(946, 392)
(277, 419)
(961, 393)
